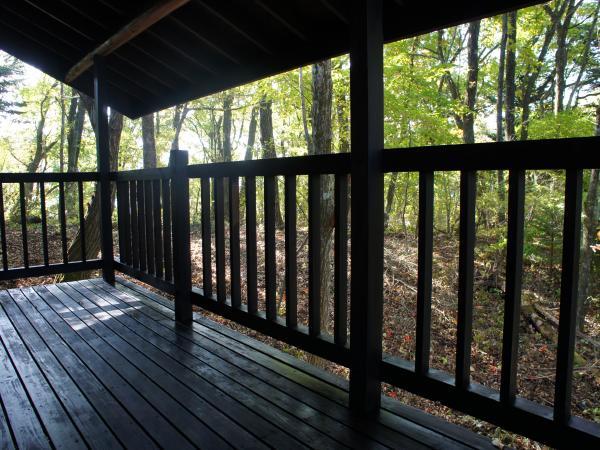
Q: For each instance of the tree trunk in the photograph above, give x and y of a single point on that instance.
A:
(321, 114)
(562, 28)
(591, 210)
(472, 78)
(389, 199)
(500, 81)
(92, 217)
(511, 42)
(178, 119)
(268, 148)
(307, 136)
(148, 141)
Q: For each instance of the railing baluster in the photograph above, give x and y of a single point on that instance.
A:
(63, 221)
(3, 230)
(82, 220)
(468, 184)
(568, 296)
(44, 223)
(270, 258)
(206, 239)
(341, 260)
(166, 211)
(158, 244)
(424, 277)
(141, 221)
(251, 260)
(149, 226)
(514, 276)
(135, 237)
(291, 269)
(234, 241)
(314, 255)
(121, 214)
(23, 207)
(219, 193)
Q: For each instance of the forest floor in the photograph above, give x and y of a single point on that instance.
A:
(537, 343)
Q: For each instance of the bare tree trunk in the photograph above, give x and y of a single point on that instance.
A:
(268, 147)
(148, 141)
(307, 136)
(562, 28)
(472, 78)
(389, 199)
(321, 114)
(590, 228)
(499, 109)
(511, 42)
(178, 119)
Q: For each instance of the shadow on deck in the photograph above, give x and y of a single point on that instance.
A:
(85, 364)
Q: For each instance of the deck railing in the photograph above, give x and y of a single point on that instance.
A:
(34, 212)
(153, 210)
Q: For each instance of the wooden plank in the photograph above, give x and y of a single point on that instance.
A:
(3, 230)
(85, 418)
(219, 193)
(158, 231)
(23, 210)
(262, 361)
(44, 224)
(62, 211)
(51, 269)
(366, 93)
(270, 184)
(234, 241)
(206, 238)
(122, 425)
(314, 255)
(57, 422)
(236, 377)
(425, 274)
(341, 260)
(124, 35)
(207, 373)
(251, 257)
(197, 414)
(82, 220)
(468, 194)
(291, 263)
(103, 157)
(135, 235)
(514, 277)
(166, 210)
(25, 427)
(141, 224)
(47, 177)
(567, 325)
(141, 402)
(150, 236)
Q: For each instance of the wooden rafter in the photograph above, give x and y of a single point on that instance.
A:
(125, 34)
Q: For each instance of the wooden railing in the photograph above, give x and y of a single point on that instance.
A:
(555, 426)
(35, 213)
(153, 209)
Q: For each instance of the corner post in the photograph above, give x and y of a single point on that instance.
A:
(103, 159)
(182, 261)
(366, 103)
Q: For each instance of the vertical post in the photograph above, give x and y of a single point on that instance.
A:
(103, 157)
(366, 98)
(182, 261)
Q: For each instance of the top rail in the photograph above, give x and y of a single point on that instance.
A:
(48, 177)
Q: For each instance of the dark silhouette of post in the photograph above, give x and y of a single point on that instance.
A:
(182, 262)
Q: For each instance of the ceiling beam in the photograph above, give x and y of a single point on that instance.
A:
(125, 34)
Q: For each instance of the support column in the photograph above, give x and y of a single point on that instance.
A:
(103, 158)
(366, 99)
(182, 260)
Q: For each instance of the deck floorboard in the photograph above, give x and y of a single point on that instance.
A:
(89, 365)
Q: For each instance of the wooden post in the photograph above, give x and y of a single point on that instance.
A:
(103, 156)
(182, 261)
(366, 100)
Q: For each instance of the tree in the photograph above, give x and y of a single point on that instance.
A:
(511, 51)
(148, 141)
(267, 142)
(10, 71)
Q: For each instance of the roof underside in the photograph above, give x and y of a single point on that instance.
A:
(205, 46)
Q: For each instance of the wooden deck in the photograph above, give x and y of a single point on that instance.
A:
(85, 364)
